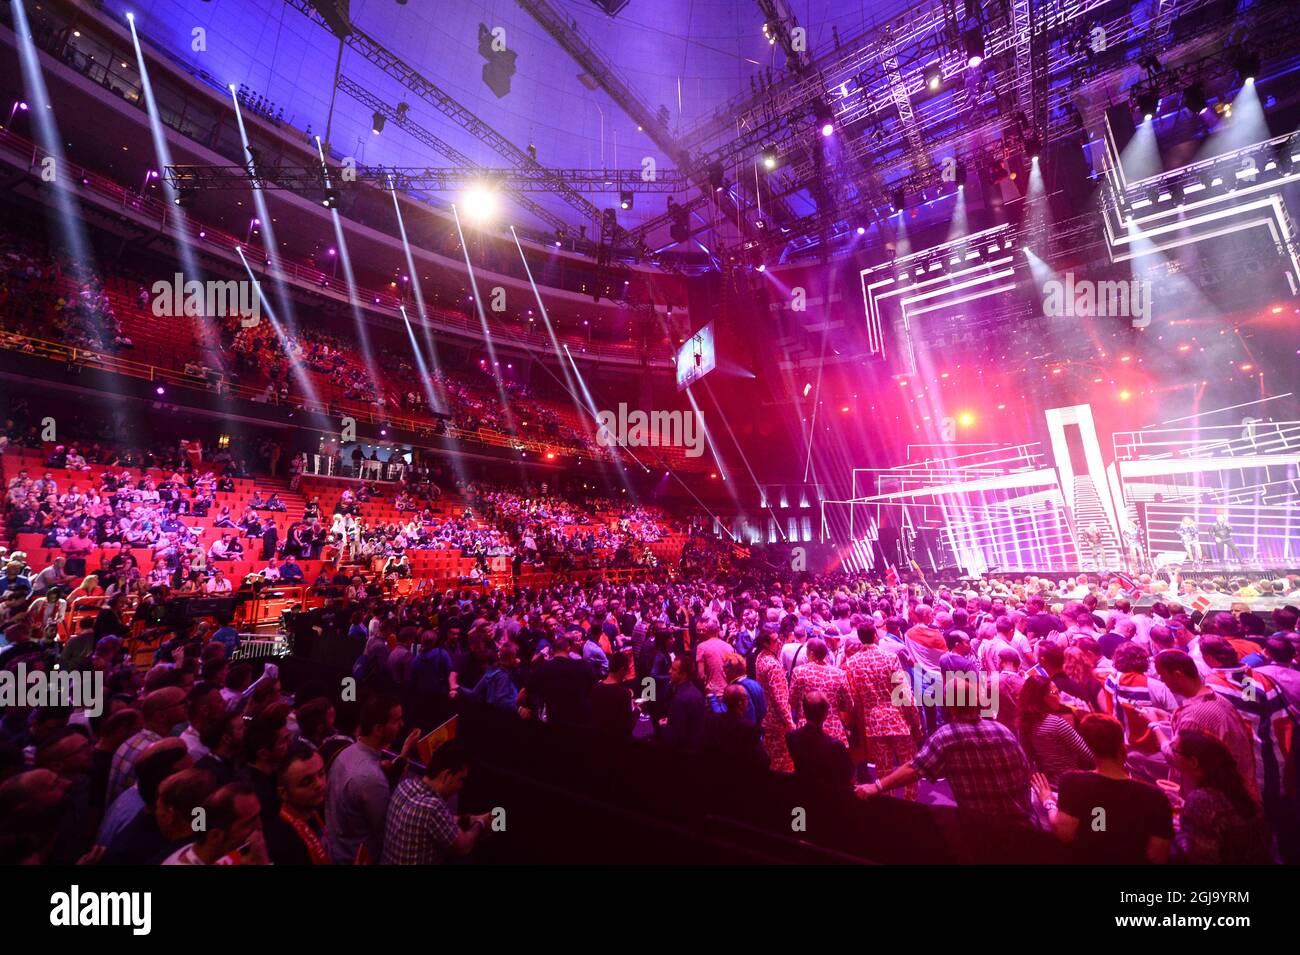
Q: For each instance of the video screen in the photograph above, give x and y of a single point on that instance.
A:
(696, 358)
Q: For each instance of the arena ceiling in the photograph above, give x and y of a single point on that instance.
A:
(689, 58)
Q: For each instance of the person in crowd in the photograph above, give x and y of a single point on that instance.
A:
(884, 708)
(232, 832)
(612, 709)
(980, 758)
(359, 785)
(684, 726)
(421, 828)
(820, 759)
(779, 719)
(821, 675)
(296, 834)
(1220, 822)
(1104, 814)
(1047, 730)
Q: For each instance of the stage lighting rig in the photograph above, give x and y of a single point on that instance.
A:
(1148, 102)
(973, 43)
(933, 76)
(500, 65)
(480, 202)
(824, 117)
(716, 178)
(1246, 63)
(1283, 154)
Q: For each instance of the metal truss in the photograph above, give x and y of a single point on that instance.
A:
(583, 52)
(393, 65)
(362, 95)
(781, 23)
(418, 177)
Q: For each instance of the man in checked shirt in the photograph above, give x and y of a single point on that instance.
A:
(981, 759)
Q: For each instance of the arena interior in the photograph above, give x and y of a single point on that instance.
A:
(649, 432)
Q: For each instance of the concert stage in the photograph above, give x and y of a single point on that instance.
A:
(1196, 497)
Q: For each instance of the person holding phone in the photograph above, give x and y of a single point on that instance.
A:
(422, 828)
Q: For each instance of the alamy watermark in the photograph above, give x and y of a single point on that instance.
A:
(650, 429)
(80, 689)
(178, 297)
(77, 908)
(1086, 298)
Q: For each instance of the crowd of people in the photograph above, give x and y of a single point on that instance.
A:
(44, 298)
(1044, 704)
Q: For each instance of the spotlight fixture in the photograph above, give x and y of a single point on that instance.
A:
(1033, 146)
(479, 202)
(377, 122)
(402, 110)
(973, 42)
(184, 198)
(961, 176)
(768, 156)
(1153, 195)
(625, 200)
(1246, 63)
(824, 117)
(1148, 102)
(862, 230)
(1194, 99)
(1177, 194)
(896, 199)
(331, 200)
(716, 179)
(933, 76)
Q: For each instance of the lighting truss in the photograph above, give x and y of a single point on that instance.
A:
(614, 181)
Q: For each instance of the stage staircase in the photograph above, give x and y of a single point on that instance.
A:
(1088, 511)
